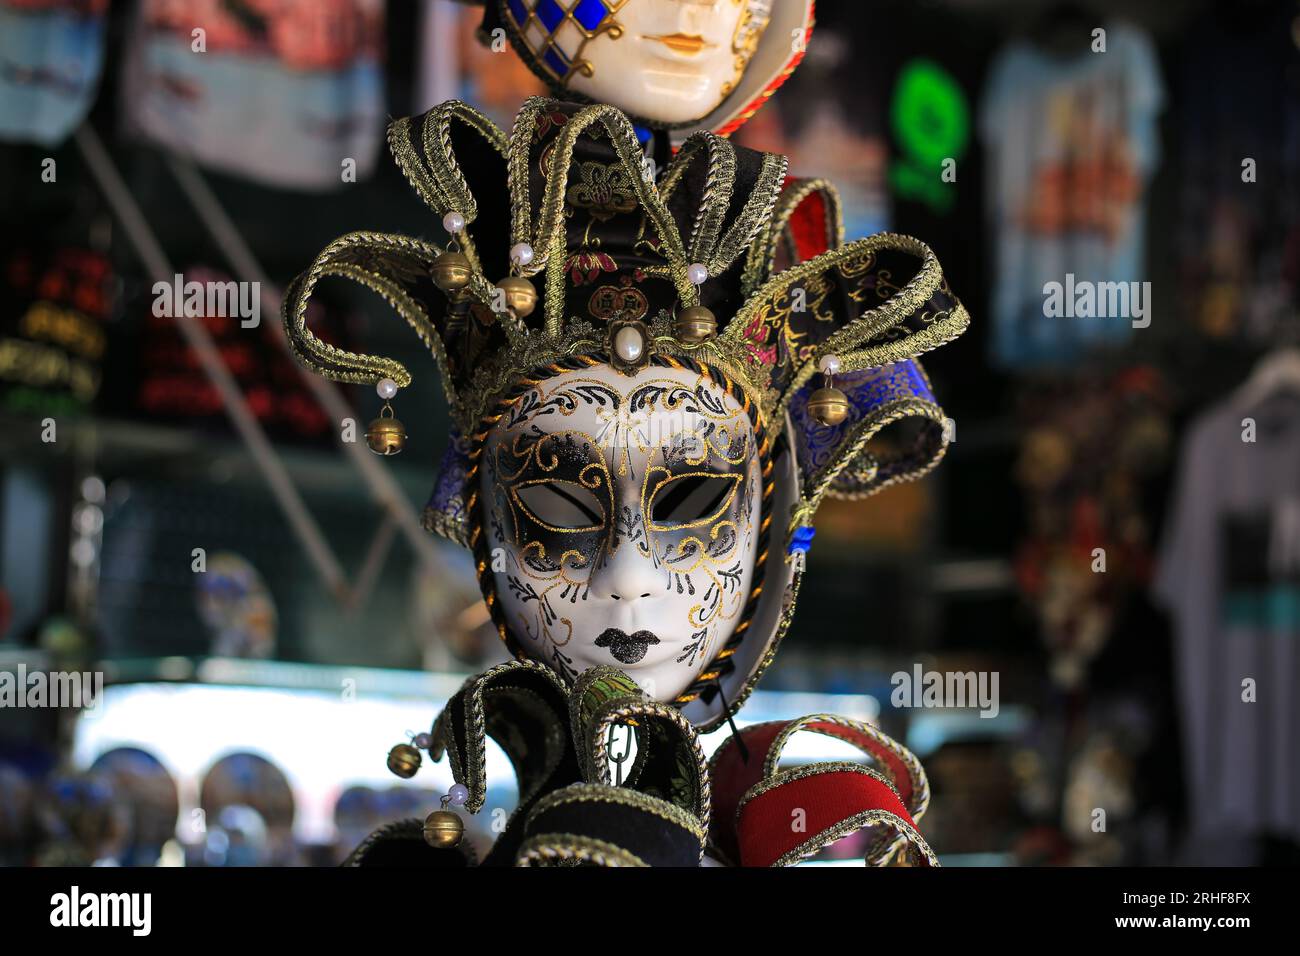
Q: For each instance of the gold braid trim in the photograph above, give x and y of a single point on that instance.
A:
(440, 523)
(549, 239)
(590, 738)
(548, 849)
(943, 327)
(385, 263)
(471, 768)
(439, 180)
(880, 850)
(854, 443)
(756, 211)
(719, 184)
(898, 307)
(761, 258)
(603, 793)
(410, 829)
(915, 772)
(539, 350)
(630, 713)
(380, 262)
(785, 208)
(436, 176)
(708, 245)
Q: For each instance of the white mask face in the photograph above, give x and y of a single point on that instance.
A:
(671, 61)
(622, 513)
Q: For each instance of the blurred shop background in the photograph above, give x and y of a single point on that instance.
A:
(248, 709)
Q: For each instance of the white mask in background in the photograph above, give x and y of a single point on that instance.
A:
(670, 61)
(626, 509)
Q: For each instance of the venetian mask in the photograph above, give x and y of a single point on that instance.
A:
(642, 423)
(623, 516)
(669, 61)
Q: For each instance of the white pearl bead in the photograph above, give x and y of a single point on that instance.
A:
(521, 253)
(386, 388)
(453, 222)
(829, 365)
(697, 272)
(628, 344)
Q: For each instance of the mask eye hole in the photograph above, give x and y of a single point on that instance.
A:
(688, 501)
(560, 505)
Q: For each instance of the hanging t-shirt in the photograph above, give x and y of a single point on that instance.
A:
(1230, 574)
(1071, 145)
(51, 55)
(290, 94)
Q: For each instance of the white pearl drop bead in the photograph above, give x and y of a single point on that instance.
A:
(697, 272)
(829, 365)
(453, 222)
(521, 253)
(386, 388)
(628, 344)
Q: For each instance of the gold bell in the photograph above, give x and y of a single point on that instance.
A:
(521, 295)
(828, 405)
(443, 829)
(404, 760)
(450, 271)
(695, 325)
(385, 434)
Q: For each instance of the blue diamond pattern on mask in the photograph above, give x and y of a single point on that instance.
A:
(551, 14)
(590, 13)
(518, 11)
(554, 58)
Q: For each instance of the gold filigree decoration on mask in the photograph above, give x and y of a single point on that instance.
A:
(744, 42)
(630, 431)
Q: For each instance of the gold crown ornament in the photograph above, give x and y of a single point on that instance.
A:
(565, 252)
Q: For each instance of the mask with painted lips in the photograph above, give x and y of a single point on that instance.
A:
(670, 61)
(622, 513)
(626, 648)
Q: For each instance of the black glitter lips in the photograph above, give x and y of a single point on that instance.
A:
(626, 648)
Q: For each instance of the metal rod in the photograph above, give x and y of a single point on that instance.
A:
(383, 487)
(380, 544)
(205, 349)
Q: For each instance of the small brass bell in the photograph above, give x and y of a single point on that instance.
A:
(385, 434)
(443, 829)
(404, 760)
(828, 405)
(695, 325)
(521, 295)
(450, 271)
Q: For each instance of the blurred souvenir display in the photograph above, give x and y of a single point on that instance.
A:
(1073, 141)
(1229, 567)
(236, 607)
(289, 93)
(53, 329)
(51, 54)
(1238, 248)
(1084, 467)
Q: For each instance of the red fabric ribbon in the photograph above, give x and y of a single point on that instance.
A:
(763, 816)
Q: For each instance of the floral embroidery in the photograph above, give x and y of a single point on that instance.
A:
(546, 121)
(756, 337)
(604, 191)
(584, 267)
